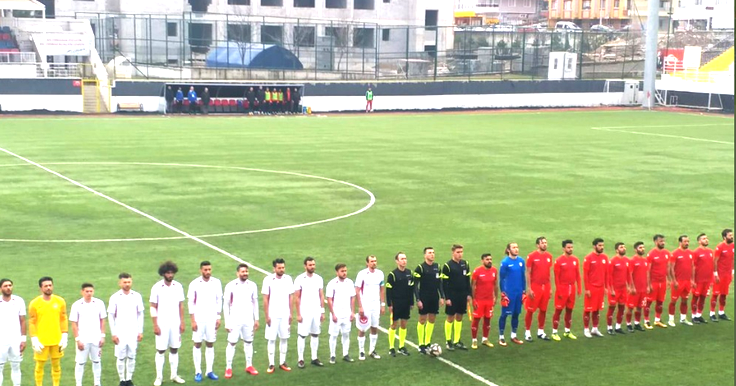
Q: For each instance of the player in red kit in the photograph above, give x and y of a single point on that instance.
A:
(681, 269)
(704, 267)
(538, 265)
(595, 278)
(484, 287)
(618, 274)
(567, 283)
(723, 275)
(658, 259)
(641, 286)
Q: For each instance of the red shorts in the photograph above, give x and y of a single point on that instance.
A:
(659, 290)
(681, 292)
(701, 288)
(637, 300)
(620, 298)
(722, 287)
(483, 309)
(541, 298)
(565, 298)
(594, 302)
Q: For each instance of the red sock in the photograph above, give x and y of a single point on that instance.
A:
(713, 299)
(541, 318)
(701, 304)
(620, 314)
(586, 319)
(647, 309)
(671, 307)
(722, 303)
(596, 318)
(474, 328)
(556, 319)
(658, 309)
(568, 318)
(628, 316)
(609, 315)
(694, 306)
(683, 308)
(637, 315)
(528, 320)
(486, 327)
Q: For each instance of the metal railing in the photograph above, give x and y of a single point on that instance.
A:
(17, 57)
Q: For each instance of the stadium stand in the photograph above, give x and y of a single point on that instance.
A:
(7, 40)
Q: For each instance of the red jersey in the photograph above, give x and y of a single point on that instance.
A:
(618, 271)
(567, 271)
(485, 283)
(595, 270)
(703, 261)
(538, 265)
(638, 268)
(724, 254)
(683, 261)
(658, 259)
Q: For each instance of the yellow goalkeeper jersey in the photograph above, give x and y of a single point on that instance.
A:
(47, 319)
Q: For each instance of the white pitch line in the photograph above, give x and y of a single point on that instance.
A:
(210, 246)
(664, 135)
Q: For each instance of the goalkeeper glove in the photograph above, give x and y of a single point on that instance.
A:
(64, 339)
(504, 300)
(37, 346)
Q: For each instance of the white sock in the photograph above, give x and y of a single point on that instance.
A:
(79, 373)
(131, 369)
(721, 312)
(197, 358)
(14, 373)
(121, 368)
(248, 348)
(500, 337)
(587, 331)
(345, 344)
(301, 341)
(618, 326)
(712, 313)
(361, 344)
(96, 372)
(528, 334)
(314, 345)
(159, 365)
(333, 345)
(567, 330)
(656, 319)
(229, 355)
(672, 318)
(513, 335)
(554, 330)
(373, 341)
(174, 364)
(209, 358)
(540, 331)
(283, 348)
(271, 351)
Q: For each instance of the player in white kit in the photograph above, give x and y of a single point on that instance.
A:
(125, 315)
(88, 316)
(371, 294)
(240, 307)
(277, 290)
(309, 298)
(205, 305)
(341, 300)
(13, 328)
(167, 315)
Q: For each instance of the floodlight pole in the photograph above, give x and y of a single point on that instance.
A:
(650, 58)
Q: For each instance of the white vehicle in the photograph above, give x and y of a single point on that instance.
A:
(567, 26)
(502, 28)
(601, 28)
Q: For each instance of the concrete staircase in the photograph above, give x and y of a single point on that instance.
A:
(91, 94)
(721, 62)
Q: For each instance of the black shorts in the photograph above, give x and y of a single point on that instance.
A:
(459, 305)
(430, 305)
(401, 311)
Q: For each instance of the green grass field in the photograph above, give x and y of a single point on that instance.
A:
(481, 180)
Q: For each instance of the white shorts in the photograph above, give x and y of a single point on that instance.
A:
(126, 348)
(279, 328)
(91, 351)
(205, 331)
(341, 326)
(243, 331)
(374, 318)
(170, 338)
(310, 325)
(10, 353)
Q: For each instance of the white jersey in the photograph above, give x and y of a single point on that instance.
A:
(278, 291)
(10, 313)
(167, 297)
(87, 315)
(341, 292)
(205, 299)
(310, 287)
(369, 284)
(240, 303)
(125, 314)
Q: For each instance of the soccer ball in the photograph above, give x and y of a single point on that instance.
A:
(435, 350)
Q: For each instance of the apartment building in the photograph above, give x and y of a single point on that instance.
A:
(512, 12)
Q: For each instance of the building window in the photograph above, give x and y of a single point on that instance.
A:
(200, 35)
(172, 29)
(338, 34)
(554, 5)
(304, 3)
(364, 37)
(272, 3)
(569, 63)
(430, 19)
(568, 5)
(336, 4)
(304, 36)
(238, 2)
(386, 1)
(272, 34)
(527, 3)
(628, 4)
(364, 4)
(386, 34)
(616, 4)
(586, 4)
(238, 33)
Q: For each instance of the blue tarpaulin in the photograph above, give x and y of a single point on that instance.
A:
(253, 55)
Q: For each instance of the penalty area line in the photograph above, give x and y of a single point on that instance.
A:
(615, 129)
(210, 246)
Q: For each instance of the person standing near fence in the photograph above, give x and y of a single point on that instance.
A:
(205, 101)
(369, 100)
(192, 97)
(179, 100)
(250, 95)
(296, 98)
(169, 96)
(267, 101)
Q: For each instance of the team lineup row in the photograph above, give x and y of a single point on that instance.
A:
(634, 283)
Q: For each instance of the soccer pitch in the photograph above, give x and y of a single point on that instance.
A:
(341, 187)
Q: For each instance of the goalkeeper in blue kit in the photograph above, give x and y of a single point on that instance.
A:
(512, 276)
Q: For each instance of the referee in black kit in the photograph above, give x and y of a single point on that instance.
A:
(456, 284)
(430, 297)
(400, 301)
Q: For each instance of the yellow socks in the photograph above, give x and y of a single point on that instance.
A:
(55, 371)
(402, 337)
(428, 332)
(458, 328)
(448, 331)
(391, 338)
(38, 373)
(421, 328)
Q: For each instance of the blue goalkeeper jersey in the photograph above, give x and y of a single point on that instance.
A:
(512, 275)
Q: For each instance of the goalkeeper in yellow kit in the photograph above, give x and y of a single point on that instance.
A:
(48, 329)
